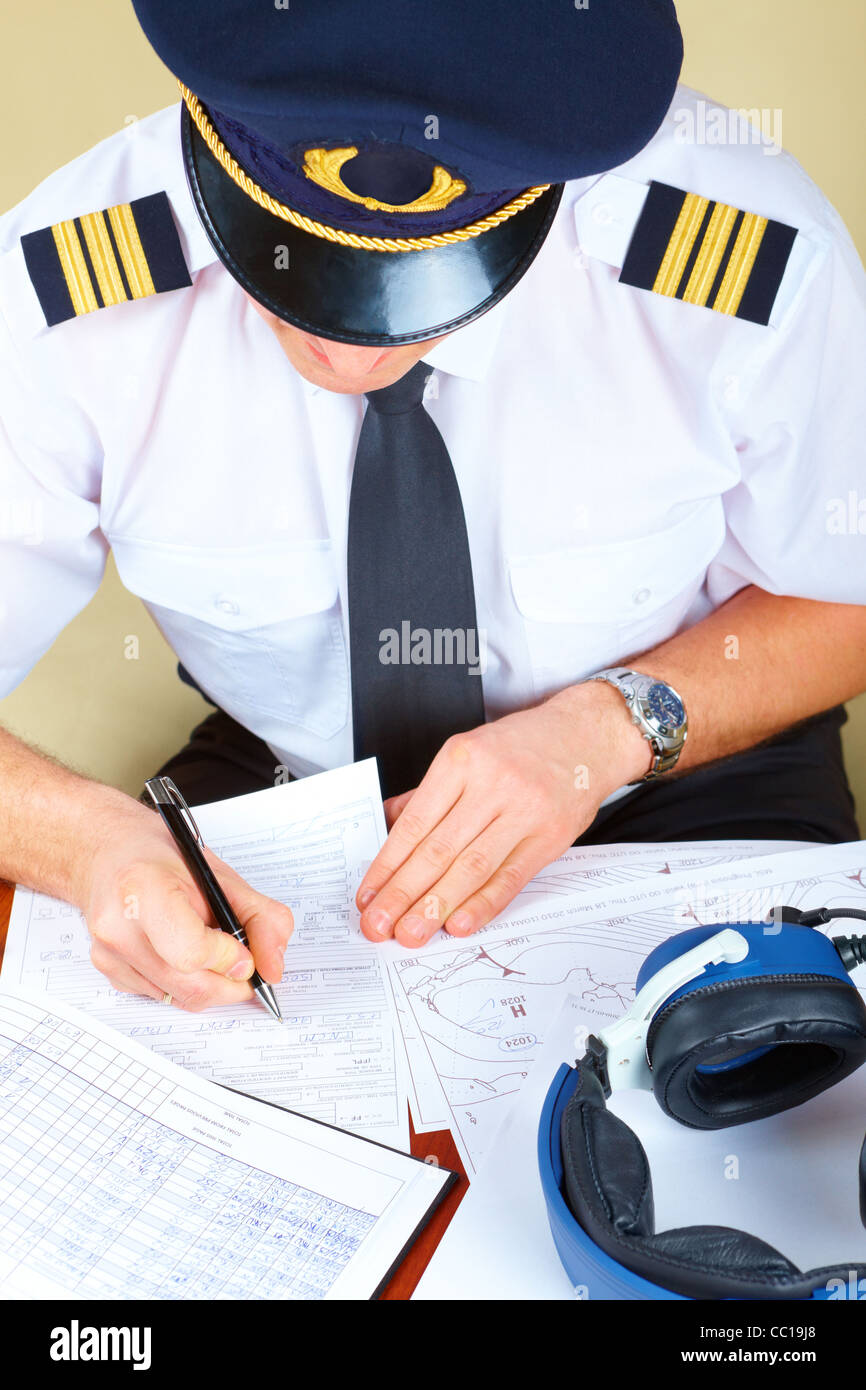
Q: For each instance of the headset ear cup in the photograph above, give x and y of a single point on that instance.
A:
(608, 1189)
(743, 1049)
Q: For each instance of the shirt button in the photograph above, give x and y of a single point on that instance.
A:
(641, 595)
(603, 214)
(228, 605)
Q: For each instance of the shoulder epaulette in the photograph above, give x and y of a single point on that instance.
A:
(702, 252)
(125, 252)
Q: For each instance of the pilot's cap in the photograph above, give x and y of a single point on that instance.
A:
(384, 171)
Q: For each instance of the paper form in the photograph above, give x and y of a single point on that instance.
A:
(122, 1176)
(482, 1006)
(498, 1242)
(336, 1056)
(577, 872)
(790, 1180)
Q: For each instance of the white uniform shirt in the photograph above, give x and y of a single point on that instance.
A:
(627, 462)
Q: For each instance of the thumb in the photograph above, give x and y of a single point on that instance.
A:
(395, 805)
(267, 923)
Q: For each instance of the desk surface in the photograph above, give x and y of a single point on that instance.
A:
(440, 1145)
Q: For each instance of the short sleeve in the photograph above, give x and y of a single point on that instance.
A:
(796, 520)
(52, 553)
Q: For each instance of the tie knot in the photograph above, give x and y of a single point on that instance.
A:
(403, 395)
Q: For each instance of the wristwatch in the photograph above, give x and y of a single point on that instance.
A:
(658, 711)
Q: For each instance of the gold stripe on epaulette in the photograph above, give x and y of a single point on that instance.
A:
(680, 245)
(736, 277)
(74, 267)
(708, 253)
(713, 248)
(105, 266)
(131, 251)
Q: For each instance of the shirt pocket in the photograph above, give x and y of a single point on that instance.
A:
(598, 605)
(259, 629)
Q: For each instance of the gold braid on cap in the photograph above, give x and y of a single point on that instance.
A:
(306, 224)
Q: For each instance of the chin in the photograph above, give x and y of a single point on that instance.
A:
(330, 380)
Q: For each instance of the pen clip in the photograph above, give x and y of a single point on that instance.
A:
(163, 789)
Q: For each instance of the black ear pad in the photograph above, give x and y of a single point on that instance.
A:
(806, 1033)
(609, 1191)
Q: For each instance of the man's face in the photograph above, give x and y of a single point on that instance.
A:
(339, 366)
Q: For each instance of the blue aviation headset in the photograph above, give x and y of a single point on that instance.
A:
(730, 1023)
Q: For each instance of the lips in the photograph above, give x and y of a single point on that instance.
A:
(317, 351)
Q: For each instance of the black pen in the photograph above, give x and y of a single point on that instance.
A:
(186, 835)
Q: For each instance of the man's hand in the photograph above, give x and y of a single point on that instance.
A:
(497, 804)
(151, 929)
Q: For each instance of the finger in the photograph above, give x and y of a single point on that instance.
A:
(422, 871)
(470, 870)
(197, 990)
(121, 976)
(181, 938)
(395, 805)
(433, 799)
(519, 867)
(268, 924)
(171, 930)
(175, 928)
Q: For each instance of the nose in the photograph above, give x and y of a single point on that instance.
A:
(348, 360)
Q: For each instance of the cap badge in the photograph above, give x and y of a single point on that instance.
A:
(323, 167)
(336, 234)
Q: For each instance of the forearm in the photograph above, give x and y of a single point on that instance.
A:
(52, 820)
(754, 667)
(759, 664)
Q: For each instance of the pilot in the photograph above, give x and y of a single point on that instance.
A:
(426, 322)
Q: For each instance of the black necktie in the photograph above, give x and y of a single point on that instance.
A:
(412, 624)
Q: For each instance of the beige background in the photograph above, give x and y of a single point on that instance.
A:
(74, 73)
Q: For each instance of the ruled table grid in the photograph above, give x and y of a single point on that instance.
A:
(98, 1194)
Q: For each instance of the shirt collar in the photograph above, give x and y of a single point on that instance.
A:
(468, 351)
(198, 249)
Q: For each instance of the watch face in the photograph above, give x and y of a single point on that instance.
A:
(663, 706)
